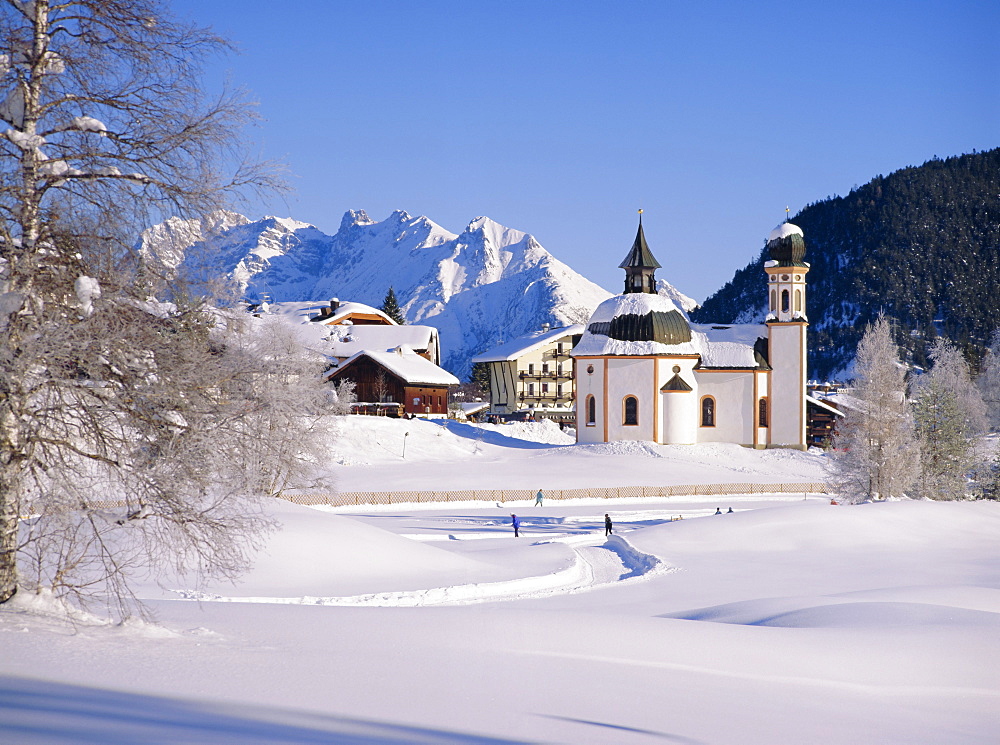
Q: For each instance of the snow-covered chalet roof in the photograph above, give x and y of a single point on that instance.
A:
(823, 405)
(522, 345)
(305, 311)
(408, 366)
(346, 341)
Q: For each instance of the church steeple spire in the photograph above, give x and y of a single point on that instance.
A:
(640, 264)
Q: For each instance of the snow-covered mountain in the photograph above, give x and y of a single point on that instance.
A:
(482, 287)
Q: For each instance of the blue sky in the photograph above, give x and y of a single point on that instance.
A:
(561, 119)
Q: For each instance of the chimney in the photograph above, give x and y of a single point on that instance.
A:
(545, 327)
(334, 304)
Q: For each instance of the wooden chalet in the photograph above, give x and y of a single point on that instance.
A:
(399, 382)
(822, 414)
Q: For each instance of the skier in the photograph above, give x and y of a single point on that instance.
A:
(516, 522)
(730, 511)
(538, 498)
(607, 524)
(718, 510)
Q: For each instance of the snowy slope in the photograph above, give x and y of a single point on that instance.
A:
(789, 620)
(488, 284)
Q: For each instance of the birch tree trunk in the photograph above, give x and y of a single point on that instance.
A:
(104, 392)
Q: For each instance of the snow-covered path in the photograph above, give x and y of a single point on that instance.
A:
(597, 562)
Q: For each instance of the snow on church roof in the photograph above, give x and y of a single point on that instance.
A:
(720, 346)
(783, 231)
(729, 346)
(633, 303)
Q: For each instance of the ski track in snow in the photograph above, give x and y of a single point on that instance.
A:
(596, 564)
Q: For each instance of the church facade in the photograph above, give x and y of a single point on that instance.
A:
(645, 372)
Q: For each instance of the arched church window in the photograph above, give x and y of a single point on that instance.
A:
(784, 301)
(762, 413)
(708, 412)
(798, 301)
(631, 414)
(774, 300)
(591, 411)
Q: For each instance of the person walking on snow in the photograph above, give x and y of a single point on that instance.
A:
(538, 498)
(516, 522)
(607, 524)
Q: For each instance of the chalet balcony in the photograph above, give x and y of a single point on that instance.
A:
(551, 375)
(544, 397)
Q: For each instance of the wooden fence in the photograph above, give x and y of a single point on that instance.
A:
(511, 495)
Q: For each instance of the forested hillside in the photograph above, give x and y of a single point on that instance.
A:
(921, 244)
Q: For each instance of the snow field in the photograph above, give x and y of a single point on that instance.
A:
(788, 621)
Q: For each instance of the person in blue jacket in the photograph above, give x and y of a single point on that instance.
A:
(538, 498)
(516, 522)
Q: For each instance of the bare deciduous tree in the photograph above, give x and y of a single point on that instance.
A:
(104, 394)
(875, 453)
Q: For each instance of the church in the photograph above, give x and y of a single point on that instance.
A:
(645, 372)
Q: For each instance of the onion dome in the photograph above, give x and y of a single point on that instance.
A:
(787, 245)
(640, 317)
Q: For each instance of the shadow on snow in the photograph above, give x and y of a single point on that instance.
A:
(34, 711)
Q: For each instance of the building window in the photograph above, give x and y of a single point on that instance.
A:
(559, 391)
(774, 300)
(591, 411)
(531, 368)
(708, 412)
(545, 368)
(784, 301)
(762, 413)
(531, 389)
(631, 413)
(798, 301)
(545, 388)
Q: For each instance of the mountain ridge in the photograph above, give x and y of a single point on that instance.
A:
(481, 287)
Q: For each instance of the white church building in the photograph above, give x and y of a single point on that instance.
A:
(645, 372)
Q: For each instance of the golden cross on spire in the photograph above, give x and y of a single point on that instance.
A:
(786, 213)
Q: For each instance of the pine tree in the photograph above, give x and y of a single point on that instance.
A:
(391, 307)
(480, 378)
(950, 416)
(875, 454)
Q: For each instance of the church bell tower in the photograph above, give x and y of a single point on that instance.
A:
(787, 324)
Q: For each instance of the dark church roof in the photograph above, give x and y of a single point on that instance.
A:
(676, 383)
(640, 256)
(664, 327)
